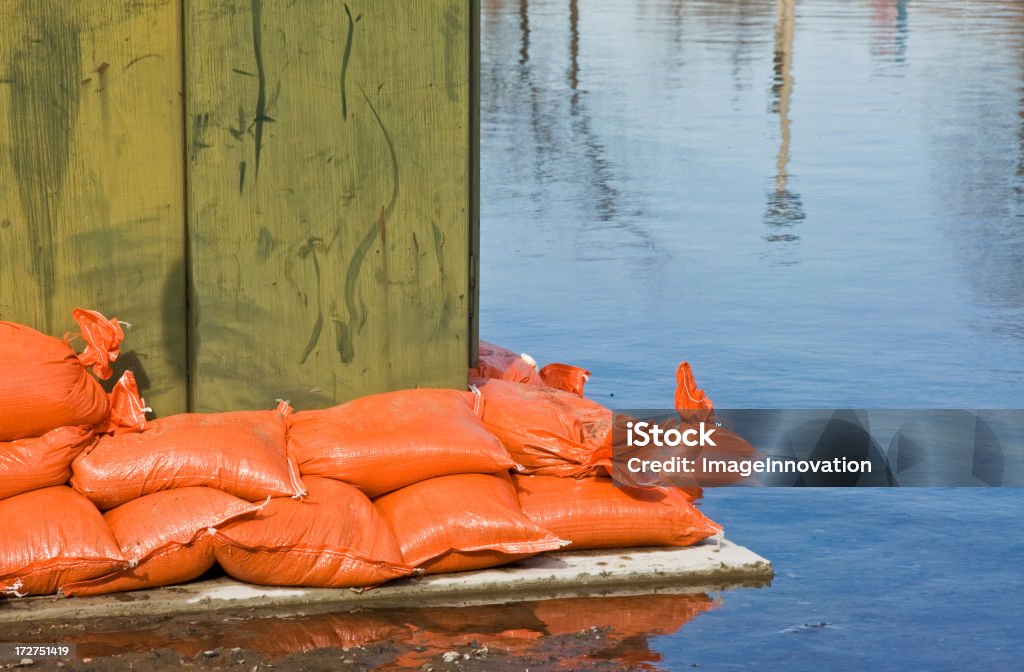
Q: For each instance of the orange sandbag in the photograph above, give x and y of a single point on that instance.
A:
(690, 397)
(31, 464)
(462, 522)
(501, 363)
(332, 538)
(127, 408)
(548, 431)
(565, 377)
(50, 538)
(494, 361)
(596, 513)
(243, 453)
(45, 385)
(167, 536)
(386, 441)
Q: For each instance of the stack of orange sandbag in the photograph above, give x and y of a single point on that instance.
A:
(438, 477)
(50, 410)
(562, 443)
(187, 491)
(355, 495)
(168, 487)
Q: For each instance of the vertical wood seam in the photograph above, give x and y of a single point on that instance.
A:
(474, 182)
(186, 212)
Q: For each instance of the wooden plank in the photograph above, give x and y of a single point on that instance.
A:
(91, 176)
(329, 191)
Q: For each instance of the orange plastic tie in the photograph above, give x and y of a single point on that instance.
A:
(127, 407)
(103, 341)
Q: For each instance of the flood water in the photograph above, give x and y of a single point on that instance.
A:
(818, 204)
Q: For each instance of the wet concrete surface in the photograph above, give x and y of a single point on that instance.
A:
(600, 611)
(583, 633)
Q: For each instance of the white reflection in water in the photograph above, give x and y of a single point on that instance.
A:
(818, 203)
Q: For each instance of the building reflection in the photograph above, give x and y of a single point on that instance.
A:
(784, 209)
(604, 196)
(889, 31)
(979, 173)
(524, 31)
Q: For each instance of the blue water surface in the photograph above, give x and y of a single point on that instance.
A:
(818, 204)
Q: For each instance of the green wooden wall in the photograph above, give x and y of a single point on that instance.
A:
(279, 194)
(91, 176)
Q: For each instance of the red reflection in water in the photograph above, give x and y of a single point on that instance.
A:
(609, 628)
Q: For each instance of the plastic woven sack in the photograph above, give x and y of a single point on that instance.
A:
(690, 397)
(31, 464)
(548, 431)
(494, 361)
(463, 522)
(565, 377)
(102, 341)
(243, 453)
(50, 538)
(45, 385)
(332, 538)
(596, 513)
(501, 363)
(386, 441)
(167, 537)
(127, 408)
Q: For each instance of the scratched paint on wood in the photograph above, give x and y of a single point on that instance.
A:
(329, 189)
(91, 176)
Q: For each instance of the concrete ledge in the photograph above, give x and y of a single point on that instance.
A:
(708, 566)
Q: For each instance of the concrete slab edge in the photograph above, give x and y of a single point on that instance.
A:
(705, 567)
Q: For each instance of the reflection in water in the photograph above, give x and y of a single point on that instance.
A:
(610, 628)
(524, 30)
(617, 628)
(978, 178)
(561, 126)
(625, 156)
(784, 209)
(574, 47)
(605, 196)
(889, 31)
(909, 290)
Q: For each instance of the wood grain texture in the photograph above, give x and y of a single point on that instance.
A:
(328, 195)
(91, 176)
